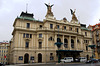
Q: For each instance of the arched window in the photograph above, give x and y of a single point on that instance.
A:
(72, 43)
(65, 43)
(58, 40)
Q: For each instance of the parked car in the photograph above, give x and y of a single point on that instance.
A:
(99, 60)
(92, 61)
(82, 59)
(77, 60)
(67, 59)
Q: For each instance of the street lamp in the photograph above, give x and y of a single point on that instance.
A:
(58, 45)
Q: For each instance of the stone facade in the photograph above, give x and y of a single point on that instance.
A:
(4, 52)
(96, 39)
(34, 40)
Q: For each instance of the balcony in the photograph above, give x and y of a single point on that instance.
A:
(56, 30)
(24, 28)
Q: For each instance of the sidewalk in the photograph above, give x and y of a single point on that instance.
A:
(30, 64)
(45, 64)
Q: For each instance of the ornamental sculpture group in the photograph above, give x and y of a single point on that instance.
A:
(50, 13)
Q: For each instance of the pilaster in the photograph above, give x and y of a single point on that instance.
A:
(76, 47)
(69, 42)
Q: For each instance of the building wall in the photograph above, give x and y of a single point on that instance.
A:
(4, 52)
(48, 46)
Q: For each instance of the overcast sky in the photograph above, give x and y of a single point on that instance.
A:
(87, 12)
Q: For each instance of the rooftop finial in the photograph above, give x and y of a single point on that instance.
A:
(26, 7)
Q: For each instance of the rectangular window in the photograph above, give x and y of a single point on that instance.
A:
(71, 29)
(40, 35)
(51, 26)
(27, 35)
(32, 58)
(86, 41)
(85, 33)
(30, 35)
(27, 44)
(51, 58)
(20, 57)
(24, 35)
(57, 26)
(40, 44)
(77, 30)
(64, 27)
(28, 25)
(87, 48)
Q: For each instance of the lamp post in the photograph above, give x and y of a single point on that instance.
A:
(58, 45)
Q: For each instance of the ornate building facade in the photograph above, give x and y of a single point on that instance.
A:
(35, 40)
(96, 39)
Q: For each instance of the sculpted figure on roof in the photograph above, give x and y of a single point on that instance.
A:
(73, 15)
(49, 12)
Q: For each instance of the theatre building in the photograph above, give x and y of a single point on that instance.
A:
(49, 40)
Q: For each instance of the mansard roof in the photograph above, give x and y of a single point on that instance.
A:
(27, 16)
(23, 14)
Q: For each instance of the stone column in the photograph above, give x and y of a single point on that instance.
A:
(69, 42)
(81, 44)
(76, 47)
(63, 42)
(56, 41)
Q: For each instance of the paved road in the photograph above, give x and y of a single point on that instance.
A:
(61, 64)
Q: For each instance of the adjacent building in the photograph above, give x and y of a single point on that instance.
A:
(4, 52)
(96, 39)
(38, 41)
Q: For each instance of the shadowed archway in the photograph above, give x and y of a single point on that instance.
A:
(40, 58)
(26, 58)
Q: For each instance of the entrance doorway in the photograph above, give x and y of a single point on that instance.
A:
(39, 57)
(26, 58)
(87, 57)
